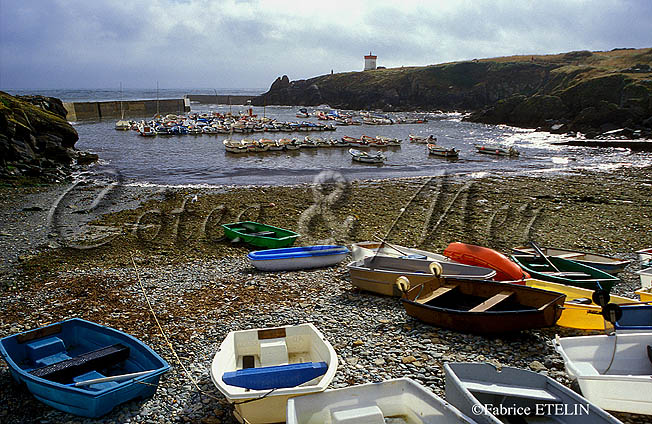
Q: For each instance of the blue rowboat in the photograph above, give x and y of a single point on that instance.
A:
(294, 258)
(82, 368)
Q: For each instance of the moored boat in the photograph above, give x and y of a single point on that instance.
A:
(366, 157)
(257, 234)
(378, 274)
(420, 139)
(646, 277)
(613, 371)
(293, 258)
(506, 270)
(496, 150)
(258, 370)
(401, 400)
(602, 262)
(481, 307)
(496, 396)
(645, 294)
(82, 368)
(441, 151)
(564, 271)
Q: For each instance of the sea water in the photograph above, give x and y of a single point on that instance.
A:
(201, 159)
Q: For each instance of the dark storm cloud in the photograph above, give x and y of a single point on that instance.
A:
(201, 43)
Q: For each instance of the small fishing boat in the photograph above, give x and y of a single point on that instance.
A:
(401, 400)
(496, 150)
(601, 262)
(496, 396)
(481, 307)
(234, 146)
(564, 271)
(82, 368)
(613, 371)
(366, 157)
(258, 370)
(506, 270)
(257, 234)
(293, 258)
(352, 141)
(441, 151)
(123, 125)
(580, 310)
(378, 274)
(646, 277)
(365, 249)
(420, 139)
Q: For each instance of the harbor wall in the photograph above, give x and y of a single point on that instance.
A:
(83, 111)
(220, 99)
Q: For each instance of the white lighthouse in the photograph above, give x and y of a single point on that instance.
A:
(369, 62)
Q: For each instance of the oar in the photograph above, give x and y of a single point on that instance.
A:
(112, 378)
(392, 246)
(536, 248)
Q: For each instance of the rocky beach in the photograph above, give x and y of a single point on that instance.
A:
(84, 249)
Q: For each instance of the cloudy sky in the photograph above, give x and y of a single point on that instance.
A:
(248, 43)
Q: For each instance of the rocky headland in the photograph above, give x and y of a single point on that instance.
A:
(36, 140)
(589, 92)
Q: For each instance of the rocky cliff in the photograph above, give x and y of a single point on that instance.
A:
(35, 138)
(576, 91)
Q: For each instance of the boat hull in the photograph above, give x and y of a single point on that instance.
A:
(627, 385)
(538, 268)
(458, 309)
(295, 258)
(601, 262)
(401, 397)
(28, 352)
(478, 387)
(378, 274)
(470, 254)
(578, 315)
(270, 347)
(364, 249)
(260, 235)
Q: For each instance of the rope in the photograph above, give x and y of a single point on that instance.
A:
(165, 337)
(174, 352)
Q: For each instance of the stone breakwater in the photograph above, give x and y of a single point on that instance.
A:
(202, 287)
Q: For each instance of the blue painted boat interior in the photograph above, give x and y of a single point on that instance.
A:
(70, 346)
(298, 252)
(635, 317)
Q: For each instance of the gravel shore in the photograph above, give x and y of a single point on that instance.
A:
(67, 252)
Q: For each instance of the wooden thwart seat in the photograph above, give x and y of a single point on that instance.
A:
(492, 301)
(436, 293)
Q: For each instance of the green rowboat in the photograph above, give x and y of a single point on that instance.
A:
(260, 235)
(568, 272)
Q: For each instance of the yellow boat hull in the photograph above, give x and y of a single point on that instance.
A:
(645, 294)
(577, 315)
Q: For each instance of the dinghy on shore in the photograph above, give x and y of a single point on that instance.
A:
(258, 370)
(481, 307)
(613, 371)
(82, 368)
(257, 234)
(378, 274)
(602, 262)
(400, 400)
(293, 258)
(580, 310)
(564, 271)
(495, 396)
(364, 249)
